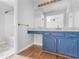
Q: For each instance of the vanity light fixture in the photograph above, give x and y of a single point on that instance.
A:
(47, 3)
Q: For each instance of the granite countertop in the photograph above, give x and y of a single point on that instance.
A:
(51, 29)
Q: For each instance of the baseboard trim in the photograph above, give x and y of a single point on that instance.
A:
(38, 44)
(25, 48)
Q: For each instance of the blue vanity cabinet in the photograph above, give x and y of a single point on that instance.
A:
(67, 46)
(49, 42)
(65, 43)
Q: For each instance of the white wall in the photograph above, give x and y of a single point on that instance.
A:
(77, 19)
(38, 39)
(25, 12)
(25, 16)
(39, 20)
(9, 2)
(74, 20)
(2, 26)
(24, 40)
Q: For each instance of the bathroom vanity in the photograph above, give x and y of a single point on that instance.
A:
(64, 42)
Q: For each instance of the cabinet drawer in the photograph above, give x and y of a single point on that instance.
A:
(59, 34)
(46, 33)
(72, 34)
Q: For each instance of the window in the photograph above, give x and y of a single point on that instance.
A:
(55, 21)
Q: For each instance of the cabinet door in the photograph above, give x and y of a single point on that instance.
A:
(67, 46)
(49, 42)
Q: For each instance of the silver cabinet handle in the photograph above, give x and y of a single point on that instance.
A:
(59, 41)
(55, 40)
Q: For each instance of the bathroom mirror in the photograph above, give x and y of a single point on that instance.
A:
(57, 19)
(54, 19)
